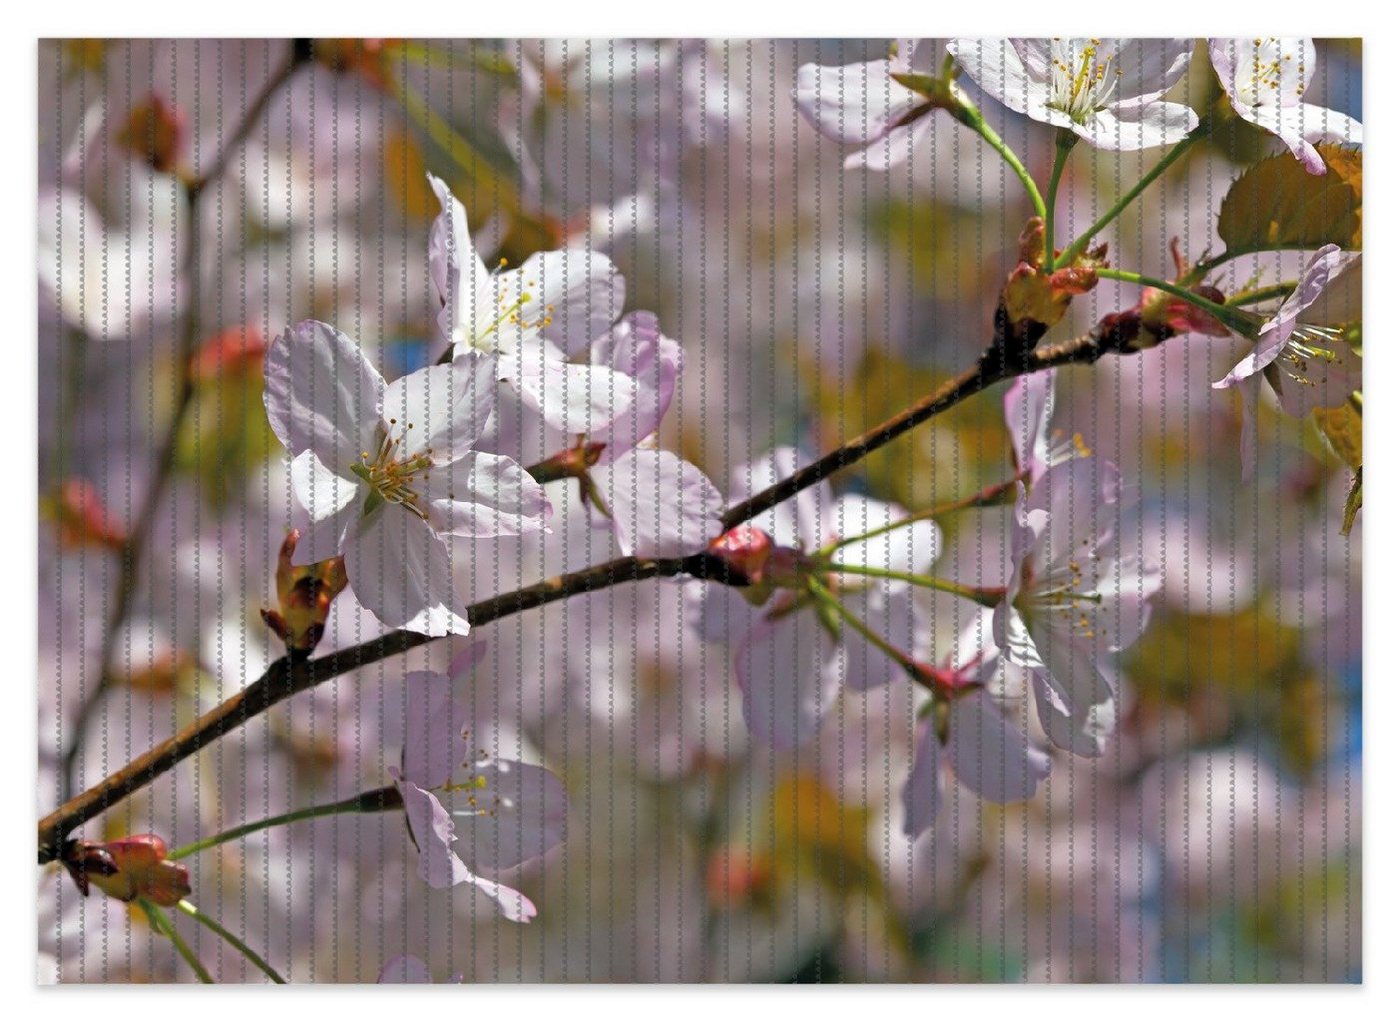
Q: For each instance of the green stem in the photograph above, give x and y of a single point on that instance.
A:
(1263, 294)
(823, 594)
(161, 923)
(986, 597)
(1237, 321)
(1064, 143)
(1175, 153)
(189, 909)
(992, 496)
(963, 109)
(379, 800)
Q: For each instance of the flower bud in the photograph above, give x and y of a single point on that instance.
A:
(155, 133)
(82, 520)
(127, 869)
(304, 595)
(239, 349)
(743, 554)
(738, 877)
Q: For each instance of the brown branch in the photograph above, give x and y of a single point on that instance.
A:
(286, 678)
(133, 549)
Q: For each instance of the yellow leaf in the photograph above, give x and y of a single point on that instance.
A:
(1342, 428)
(1277, 204)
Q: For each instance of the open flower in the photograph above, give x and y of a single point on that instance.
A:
(1308, 363)
(532, 320)
(1265, 80)
(385, 472)
(866, 103)
(1107, 91)
(968, 729)
(508, 812)
(1078, 592)
(788, 660)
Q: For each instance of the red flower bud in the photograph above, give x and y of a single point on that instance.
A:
(239, 349)
(81, 518)
(736, 877)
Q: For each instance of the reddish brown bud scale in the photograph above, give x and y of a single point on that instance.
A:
(155, 132)
(128, 868)
(304, 597)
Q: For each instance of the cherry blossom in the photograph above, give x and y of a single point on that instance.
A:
(1308, 363)
(386, 472)
(509, 812)
(1107, 91)
(1078, 592)
(788, 663)
(1265, 79)
(532, 320)
(968, 729)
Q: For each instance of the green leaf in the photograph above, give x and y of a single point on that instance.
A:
(1276, 204)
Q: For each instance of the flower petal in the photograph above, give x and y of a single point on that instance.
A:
(911, 549)
(322, 394)
(923, 791)
(1128, 129)
(572, 398)
(459, 276)
(484, 495)
(990, 754)
(433, 744)
(1148, 68)
(783, 673)
(1016, 79)
(796, 522)
(717, 613)
(897, 620)
(1027, 408)
(443, 408)
(327, 506)
(440, 866)
(401, 572)
(892, 149)
(434, 833)
(636, 348)
(855, 102)
(661, 504)
(1323, 125)
(1081, 730)
(1326, 263)
(520, 812)
(569, 298)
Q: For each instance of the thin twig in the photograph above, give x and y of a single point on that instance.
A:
(133, 550)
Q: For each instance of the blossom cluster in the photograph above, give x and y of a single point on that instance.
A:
(537, 433)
